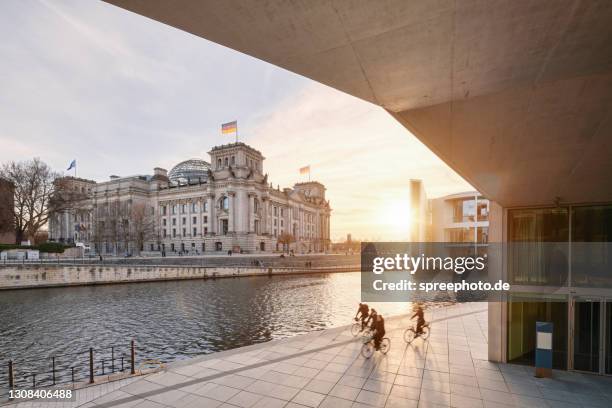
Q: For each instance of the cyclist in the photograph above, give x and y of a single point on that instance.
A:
(379, 330)
(418, 313)
(371, 319)
(362, 313)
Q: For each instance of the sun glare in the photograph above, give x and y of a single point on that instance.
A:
(394, 219)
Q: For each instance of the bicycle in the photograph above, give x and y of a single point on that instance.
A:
(410, 334)
(367, 350)
(359, 327)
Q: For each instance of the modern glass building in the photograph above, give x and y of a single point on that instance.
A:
(559, 262)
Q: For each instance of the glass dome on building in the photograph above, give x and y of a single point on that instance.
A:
(192, 169)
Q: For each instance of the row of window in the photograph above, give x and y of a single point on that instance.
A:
(184, 221)
(195, 208)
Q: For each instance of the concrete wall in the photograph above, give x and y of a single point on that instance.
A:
(32, 276)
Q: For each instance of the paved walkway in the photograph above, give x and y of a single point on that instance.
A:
(325, 369)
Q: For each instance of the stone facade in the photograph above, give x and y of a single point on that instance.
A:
(228, 206)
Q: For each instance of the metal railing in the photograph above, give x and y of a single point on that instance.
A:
(71, 369)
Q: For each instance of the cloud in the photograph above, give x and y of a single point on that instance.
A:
(363, 156)
(123, 94)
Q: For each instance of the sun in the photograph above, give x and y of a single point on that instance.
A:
(394, 219)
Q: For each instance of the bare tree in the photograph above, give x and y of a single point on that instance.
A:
(285, 240)
(35, 186)
(142, 226)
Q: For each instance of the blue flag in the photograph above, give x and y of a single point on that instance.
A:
(72, 165)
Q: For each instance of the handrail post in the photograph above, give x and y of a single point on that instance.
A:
(11, 376)
(53, 368)
(91, 366)
(132, 364)
(112, 360)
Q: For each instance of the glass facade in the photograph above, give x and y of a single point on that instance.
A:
(522, 318)
(592, 246)
(570, 250)
(538, 245)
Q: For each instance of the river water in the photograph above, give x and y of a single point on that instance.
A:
(168, 320)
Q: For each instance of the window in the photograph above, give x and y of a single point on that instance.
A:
(164, 233)
(275, 211)
(184, 232)
(183, 208)
(174, 221)
(163, 210)
(205, 207)
(205, 230)
(203, 247)
(538, 246)
(152, 247)
(195, 220)
(194, 207)
(591, 249)
(219, 163)
(225, 203)
(205, 219)
(184, 220)
(173, 233)
(172, 247)
(226, 162)
(195, 231)
(282, 212)
(164, 222)
(233, 160)
(174, 209)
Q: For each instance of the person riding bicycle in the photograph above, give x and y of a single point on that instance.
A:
(371, 322)
(418, 313)
(362, 314)
(379, 330)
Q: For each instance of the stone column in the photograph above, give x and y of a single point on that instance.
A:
(212, 223)
(231, 224)
(251, 213)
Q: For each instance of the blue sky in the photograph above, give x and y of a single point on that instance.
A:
(123, 94)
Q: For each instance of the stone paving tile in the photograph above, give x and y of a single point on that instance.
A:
(309, 398)
(325, 369)
(345, 392)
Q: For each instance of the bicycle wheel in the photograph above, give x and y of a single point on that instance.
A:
(367, 350)
(425, 333)
(385, 345)
(409, 335)
(355, 329)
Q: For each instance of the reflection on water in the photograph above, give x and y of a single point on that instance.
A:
(174, 320)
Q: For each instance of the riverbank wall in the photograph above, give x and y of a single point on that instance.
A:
(57, 275)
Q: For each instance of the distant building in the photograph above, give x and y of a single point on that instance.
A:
(461, 218)
(7, 212)
(419, 217)
(197, 207)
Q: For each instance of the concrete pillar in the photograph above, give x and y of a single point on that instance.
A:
(497, 311)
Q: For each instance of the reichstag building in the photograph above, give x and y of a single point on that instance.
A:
(197, 207)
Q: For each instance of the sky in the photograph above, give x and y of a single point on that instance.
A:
(123, 94)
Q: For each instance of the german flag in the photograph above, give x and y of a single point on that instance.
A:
(230, 127)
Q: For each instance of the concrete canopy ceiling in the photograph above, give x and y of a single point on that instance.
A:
(516, 96)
